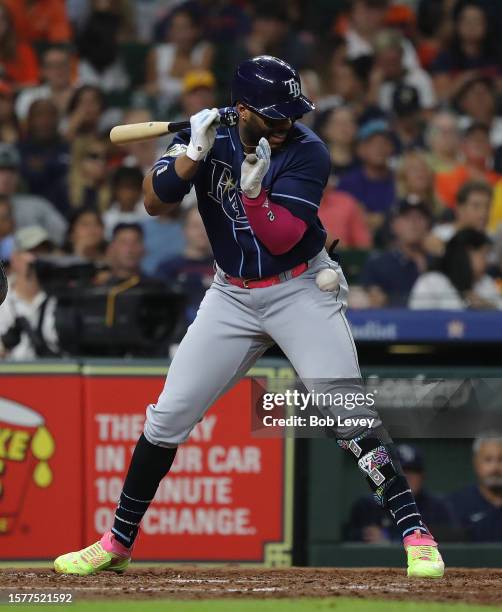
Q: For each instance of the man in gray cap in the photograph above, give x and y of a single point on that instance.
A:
(27, 321)
(27, 209)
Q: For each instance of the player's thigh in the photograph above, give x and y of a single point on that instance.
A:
(219, 347)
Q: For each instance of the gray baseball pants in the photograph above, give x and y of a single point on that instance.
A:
(235, 326)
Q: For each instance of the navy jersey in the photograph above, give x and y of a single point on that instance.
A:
(296, 179)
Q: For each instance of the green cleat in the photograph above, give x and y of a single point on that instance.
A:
(424, 558)
(106, 554)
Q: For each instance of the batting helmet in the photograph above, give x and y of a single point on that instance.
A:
(270, 87)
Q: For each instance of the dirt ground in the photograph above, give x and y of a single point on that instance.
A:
(190, 582)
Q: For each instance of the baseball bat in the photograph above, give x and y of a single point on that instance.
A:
(135, 132)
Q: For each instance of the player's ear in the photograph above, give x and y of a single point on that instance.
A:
(244, 112)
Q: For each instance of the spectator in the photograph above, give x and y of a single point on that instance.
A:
(388, 277)
(370, 523)
(45, 155)
(98, 46)
(124, 253)
(478, 507)
(271, 34)
(407, 122)
(89, 185)
(366, 20)
(86, 235)
(472, 47)
(338, 130)
(433, 26)
(183, 50)
(127, 201)
(27, 209)
(56, 86)
(6, 229)
(85, 112)
(415, 180)
(347, 84)
(389, 71)
(459, 280)
(372, 184)
(9, 126)
(471, 212)
(18, 62)
(40, 20)
(476, 165)
(198, 92)
(343, 218)
(443, 141)
(27, 317)
(193, 270)
(477, 102)
(164, 238)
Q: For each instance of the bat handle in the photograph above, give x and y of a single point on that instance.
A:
(228, 117)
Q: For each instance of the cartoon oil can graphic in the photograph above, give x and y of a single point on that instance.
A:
(26, 447)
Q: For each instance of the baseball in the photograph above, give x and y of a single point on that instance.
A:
(327, 280)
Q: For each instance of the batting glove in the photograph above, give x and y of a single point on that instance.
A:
(254, 167)
(203, 132)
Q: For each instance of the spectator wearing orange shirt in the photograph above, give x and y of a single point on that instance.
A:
(343, 218)
(40, 20)
(477, 153)
(18, 62)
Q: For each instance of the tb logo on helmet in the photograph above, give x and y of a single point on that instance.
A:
(294, 87)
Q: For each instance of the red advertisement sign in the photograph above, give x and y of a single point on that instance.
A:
(40, 465)
(224, 497)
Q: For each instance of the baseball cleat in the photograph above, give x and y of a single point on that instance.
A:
(105, 554)
(424, 558)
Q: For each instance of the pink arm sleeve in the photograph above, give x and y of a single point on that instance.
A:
(275, 226)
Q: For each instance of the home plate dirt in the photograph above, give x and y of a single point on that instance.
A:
(190, 582)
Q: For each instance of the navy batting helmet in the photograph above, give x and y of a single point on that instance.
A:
(270, 87)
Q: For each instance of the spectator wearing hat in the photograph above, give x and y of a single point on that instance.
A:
(477, 153)
(372, 183)
(127, 201)
(389, 72)
(45, 155)
(6, 229)
(459, 280)
(56, 83)
(27, 317)
(389, 276)
(478, 507)
(199, 91)
(407, 124)
(27, 209)
(370, 523)
(9, 124)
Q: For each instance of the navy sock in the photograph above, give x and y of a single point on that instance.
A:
(149, 464)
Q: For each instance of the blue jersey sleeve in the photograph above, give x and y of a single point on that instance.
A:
(168, 186)
(300, 185)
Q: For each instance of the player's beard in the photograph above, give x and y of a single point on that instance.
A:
(250, 135)
(493, 483)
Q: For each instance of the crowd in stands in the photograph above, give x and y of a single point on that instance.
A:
(407, 94)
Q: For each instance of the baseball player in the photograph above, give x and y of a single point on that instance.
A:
(258, 188)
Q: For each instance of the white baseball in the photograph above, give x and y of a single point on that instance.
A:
(327, 280)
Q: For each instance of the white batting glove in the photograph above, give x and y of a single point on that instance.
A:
(254, 167)
(203, 132)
